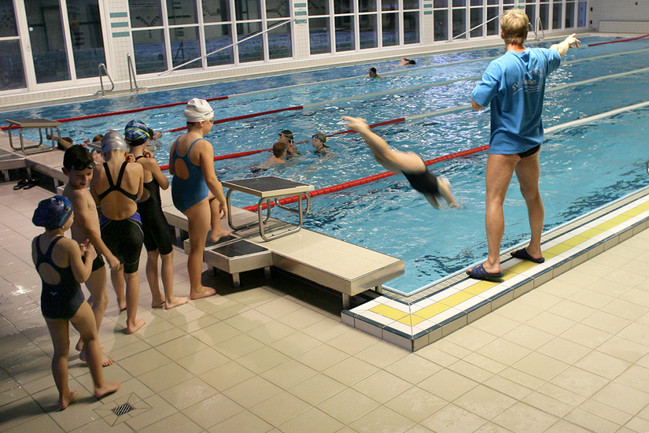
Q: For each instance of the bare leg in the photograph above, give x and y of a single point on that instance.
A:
(215, 220)
(84, 322)
(117, 277)
(171, 301)
(157, 301)
(527, 172)
(198, 217)
(98, 300)
(60, 333)
(500, 169)
(132, 298)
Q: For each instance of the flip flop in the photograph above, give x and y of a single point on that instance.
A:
(21, 184)
(479, 273)
(523, 255)
(31, 183)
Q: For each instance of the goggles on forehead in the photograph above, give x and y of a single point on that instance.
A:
(80, 166)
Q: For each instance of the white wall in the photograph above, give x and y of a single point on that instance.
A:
(619, 10)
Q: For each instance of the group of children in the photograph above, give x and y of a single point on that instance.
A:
(126, 186)
(131, 211)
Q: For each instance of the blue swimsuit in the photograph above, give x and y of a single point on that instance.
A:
(185, 193)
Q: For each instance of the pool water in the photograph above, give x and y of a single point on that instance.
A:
(583, 167)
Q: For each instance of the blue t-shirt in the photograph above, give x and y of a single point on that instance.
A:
(514, 85)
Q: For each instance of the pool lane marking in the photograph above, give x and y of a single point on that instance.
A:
(236, 95)
(478, 288)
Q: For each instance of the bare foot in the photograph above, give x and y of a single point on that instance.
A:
(216, 235)
(79, 346)
(176, 301)
(157, 304)
(64, 401)
(108, 388)
(203, 293)
(133, 328)
(105, 361)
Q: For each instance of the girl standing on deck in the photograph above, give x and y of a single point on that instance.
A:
(196, 191)
(62, 265)
(157, 238)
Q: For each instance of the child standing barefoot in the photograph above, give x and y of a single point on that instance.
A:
(62, 265)
(196, 191)
(78, 165)
(157, 238)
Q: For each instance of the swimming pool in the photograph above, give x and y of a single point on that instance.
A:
(583, 167)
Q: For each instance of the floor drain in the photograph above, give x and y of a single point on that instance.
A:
(123, 409)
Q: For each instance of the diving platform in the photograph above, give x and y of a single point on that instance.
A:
(324, 260)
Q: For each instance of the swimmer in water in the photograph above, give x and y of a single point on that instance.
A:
(373, 73)
(407, 163)
(278, 158)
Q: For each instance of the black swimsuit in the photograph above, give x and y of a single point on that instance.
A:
(118, 185)
(157, 235)
(425, 182)
(61, 300)
(123, 237)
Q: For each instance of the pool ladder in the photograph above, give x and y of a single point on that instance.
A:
(132, 80)
(538, 28)
(103, 71)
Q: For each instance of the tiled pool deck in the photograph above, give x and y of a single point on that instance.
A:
(419, 320)
(572, 355)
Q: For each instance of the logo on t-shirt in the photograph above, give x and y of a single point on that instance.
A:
(532, 83)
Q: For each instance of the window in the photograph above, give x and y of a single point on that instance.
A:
(319, 37)
(12, 73)
(87, 37)
(47, 40)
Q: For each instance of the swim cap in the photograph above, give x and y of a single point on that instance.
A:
(52, 212)
(198, 110)
(320, 136)
(113, 141)
(136, 133)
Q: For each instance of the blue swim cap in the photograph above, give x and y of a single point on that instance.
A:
(136, 132)
(52, 212)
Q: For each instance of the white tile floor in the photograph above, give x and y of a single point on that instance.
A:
(570, 356)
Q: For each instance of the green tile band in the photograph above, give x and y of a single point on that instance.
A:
(118, 14)
(300, 5)
(300, 21)
(428, 12)
(119, 24)
(300, 13)
(121, 34)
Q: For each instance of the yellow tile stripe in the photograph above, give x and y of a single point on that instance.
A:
(482, 286)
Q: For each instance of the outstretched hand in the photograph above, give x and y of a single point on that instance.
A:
(358, 124)
(572, 41)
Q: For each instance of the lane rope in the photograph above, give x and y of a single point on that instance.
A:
(618, 40)
(383, 175)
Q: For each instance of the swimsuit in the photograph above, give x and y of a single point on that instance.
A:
(156, 230)
(122, 237)
(185, 193)
(116, 186)
(424, 182)
(61, 300)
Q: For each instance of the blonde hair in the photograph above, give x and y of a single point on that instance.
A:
(514, 25)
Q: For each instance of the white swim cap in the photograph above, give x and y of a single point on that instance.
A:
(113, 141)
(198, 110)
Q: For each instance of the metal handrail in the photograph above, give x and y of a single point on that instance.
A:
(132, 79)
(539, 27)
(101, 79)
